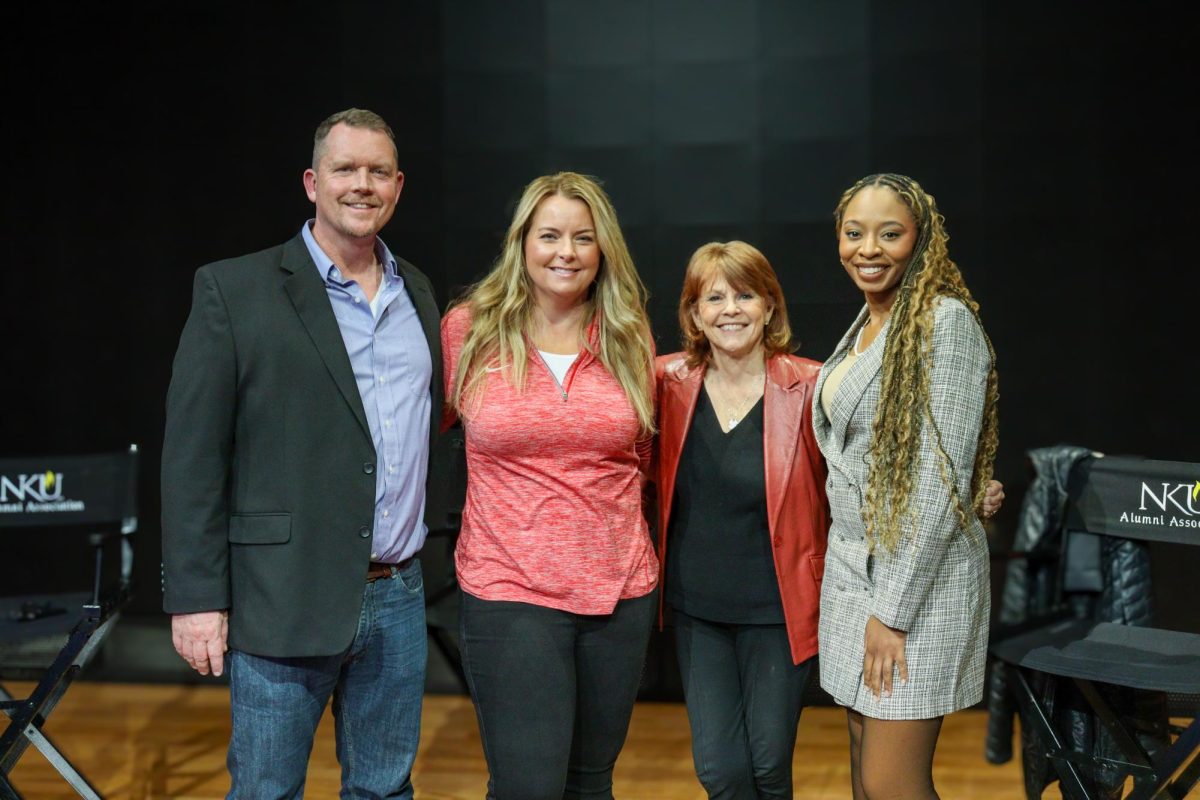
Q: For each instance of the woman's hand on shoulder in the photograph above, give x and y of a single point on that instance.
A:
(678, 369)
(883, 653)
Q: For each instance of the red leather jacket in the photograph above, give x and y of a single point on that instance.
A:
(797, 510)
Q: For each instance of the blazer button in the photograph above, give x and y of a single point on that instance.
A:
(364, 532)
(779, 541)
(368, 468)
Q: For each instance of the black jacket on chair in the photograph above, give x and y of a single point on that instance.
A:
(1103, 579)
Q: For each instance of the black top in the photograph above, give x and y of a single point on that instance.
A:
(719, 564)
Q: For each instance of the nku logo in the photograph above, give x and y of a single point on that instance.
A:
(1178, 504)
(44, 487)
(1170, 496)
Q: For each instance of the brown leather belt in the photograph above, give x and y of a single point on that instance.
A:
(377, 570)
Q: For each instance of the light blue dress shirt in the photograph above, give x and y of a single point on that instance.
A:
(392, 367)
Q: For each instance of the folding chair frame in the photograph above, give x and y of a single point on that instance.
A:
(27, 716)
(1152, 776)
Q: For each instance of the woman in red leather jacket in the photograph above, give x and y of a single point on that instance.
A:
(742, 507)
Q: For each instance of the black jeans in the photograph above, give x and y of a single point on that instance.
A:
(553, 692)
(744, 696)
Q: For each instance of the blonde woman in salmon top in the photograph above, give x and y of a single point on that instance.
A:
(905, 413)
(549, 365)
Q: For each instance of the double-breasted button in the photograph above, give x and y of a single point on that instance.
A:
(368, 468)
(364, 532)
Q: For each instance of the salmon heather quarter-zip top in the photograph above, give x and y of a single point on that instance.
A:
(553, 514)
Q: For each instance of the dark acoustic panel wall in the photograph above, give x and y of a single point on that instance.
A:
(143, 143)
(704, 119)
(146, 143)
(1049, 156)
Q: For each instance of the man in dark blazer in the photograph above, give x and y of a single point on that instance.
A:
(304, 400)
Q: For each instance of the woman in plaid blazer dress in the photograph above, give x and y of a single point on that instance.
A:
(903, 628)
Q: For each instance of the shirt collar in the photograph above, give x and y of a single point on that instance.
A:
(329, 271)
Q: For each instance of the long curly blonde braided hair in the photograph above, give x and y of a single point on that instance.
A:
(904, 408)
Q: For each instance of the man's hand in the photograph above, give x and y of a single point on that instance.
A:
(883, 652)
(200, 639)
(993, 498)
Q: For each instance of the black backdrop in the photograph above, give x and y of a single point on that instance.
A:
(144, 141)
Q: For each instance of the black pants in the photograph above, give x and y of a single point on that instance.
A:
(744, 696)
(554, 692)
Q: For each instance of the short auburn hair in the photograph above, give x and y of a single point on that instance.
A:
(744, 267)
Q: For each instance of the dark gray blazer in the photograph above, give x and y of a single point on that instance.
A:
(268, 484)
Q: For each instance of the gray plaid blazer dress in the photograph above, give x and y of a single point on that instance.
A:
(935, 586)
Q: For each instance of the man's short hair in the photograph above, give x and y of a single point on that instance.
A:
(353, 117)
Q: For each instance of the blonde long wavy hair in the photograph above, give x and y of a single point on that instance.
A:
(502, 305)
(904, 409)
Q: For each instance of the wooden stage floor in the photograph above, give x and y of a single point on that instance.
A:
(140, 741)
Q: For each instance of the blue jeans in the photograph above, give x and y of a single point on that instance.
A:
(553, 693)
(377, 685)
(743, 697)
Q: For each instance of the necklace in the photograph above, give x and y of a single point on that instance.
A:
(739, 411)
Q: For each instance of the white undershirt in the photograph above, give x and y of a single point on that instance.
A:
(558, 364)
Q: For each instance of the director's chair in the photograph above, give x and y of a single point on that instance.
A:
(49, 638)
(1136, 499)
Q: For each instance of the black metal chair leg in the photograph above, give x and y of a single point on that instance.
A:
(7, 791)
(1147, 777)
(47, 693)
(1068, 776)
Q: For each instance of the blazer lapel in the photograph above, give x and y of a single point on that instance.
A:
(830, 436)
(783, 411)
(821, 425)
(307, 292)
(427, 312)
(854, 385)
